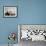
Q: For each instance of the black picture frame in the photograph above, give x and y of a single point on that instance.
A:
(10, 11)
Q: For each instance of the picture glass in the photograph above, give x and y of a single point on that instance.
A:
(10, 11)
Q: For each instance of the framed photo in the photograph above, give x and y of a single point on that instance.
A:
(10, 11)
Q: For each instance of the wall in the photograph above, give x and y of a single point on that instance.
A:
(29, 12)
(7, 25)
(32, 11)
